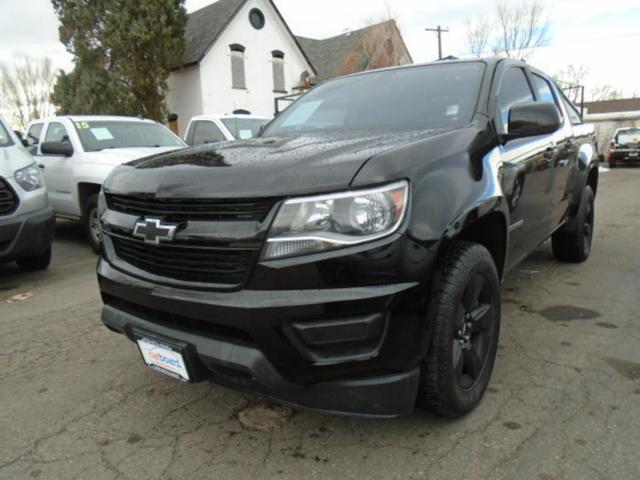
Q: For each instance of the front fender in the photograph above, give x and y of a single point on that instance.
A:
(586, 166)
(90, 173)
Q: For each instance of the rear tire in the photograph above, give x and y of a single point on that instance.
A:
(464, 314)
(91, 223)
(36, 262)
(572, 243)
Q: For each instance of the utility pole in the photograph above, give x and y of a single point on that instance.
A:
(439, 31)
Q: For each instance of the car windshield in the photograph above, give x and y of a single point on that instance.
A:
(5, 139)
(243, 128)
(418, 98)
(628, 136)
(101, 135)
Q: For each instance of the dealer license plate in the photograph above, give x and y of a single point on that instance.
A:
(164, 358)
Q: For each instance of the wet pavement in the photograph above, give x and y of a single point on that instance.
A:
(564, 401)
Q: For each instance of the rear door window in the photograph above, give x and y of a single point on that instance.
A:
(206, 132)
(572, 111)
(33, 134)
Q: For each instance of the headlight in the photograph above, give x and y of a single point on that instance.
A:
(314, 224)
(29, 178)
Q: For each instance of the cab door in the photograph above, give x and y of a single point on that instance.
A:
(58, 171)
(566, 158)
(527, 169)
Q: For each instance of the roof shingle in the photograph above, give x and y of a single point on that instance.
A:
(205, 26)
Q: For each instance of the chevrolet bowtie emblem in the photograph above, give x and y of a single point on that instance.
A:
(154, 231)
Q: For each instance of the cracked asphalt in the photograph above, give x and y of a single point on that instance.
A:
(564, 401)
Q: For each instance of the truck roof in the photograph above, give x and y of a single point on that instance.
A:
(219, 116)
(96, 118)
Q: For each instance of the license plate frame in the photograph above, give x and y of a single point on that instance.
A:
(165, 356)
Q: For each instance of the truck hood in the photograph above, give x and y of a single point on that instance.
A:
(260, 167)
(118, 156)
(12, 158)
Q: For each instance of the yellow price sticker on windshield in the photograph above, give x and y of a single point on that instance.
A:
(82, 125)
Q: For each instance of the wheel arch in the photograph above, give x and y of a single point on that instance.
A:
(490, 231)
(85, 190)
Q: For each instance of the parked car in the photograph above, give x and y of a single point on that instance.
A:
(625, 146)
(205, 129)
(27, 222)
(349, 259)
(76, 153)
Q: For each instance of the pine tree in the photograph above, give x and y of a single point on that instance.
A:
(123, 53)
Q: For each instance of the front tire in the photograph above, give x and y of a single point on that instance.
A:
(91, 223)
(464, 313)
(36, 262)
(572, 243)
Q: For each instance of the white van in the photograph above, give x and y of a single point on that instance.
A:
(27, 222)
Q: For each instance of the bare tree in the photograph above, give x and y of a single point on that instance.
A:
(605, 92)
(26, 88)
(570, 78)
(478, 35)
(521, 28)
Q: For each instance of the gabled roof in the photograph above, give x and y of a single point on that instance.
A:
(613, 106)
(327, 54)
(205, 25)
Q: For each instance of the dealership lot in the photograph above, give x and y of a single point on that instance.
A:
(564, 401)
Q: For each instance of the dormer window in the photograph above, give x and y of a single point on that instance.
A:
(277, 58)
(237, 66)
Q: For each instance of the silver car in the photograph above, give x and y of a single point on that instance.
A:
(27, 222)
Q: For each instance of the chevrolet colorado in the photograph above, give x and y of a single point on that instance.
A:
(349, 259)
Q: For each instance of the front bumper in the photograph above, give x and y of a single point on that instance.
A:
(246, 368)
(248, 340)
(27, 234)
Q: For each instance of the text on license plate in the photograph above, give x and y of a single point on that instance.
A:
(163, 358)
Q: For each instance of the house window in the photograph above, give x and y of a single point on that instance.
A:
(278, 71)
(256, 18)
(237, 66)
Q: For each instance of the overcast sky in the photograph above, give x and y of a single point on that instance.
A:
(601, 34)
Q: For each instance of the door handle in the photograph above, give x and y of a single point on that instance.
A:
(41, 166)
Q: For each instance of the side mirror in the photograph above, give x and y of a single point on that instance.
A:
(25, 143)
(63, 149)
(532, 119)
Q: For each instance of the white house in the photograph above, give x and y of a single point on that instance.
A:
(240, 55)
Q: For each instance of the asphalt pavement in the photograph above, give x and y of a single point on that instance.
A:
(564, 401)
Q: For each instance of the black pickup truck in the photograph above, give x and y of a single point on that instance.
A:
(349, 260)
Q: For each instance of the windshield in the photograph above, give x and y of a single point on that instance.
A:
(5, 139)
(418, 98)
(628, 136)
(243, 128)
(100, 135)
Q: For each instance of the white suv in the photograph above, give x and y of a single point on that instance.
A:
(77, 153)
(27, 222)
(205, 129)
